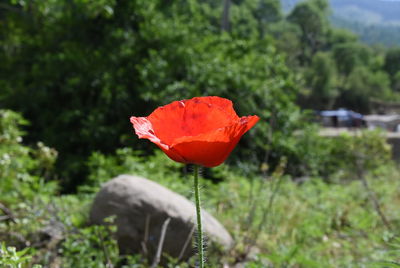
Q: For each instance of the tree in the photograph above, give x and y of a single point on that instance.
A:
(396, 82)
(392, 61)
(321, 77)
(267, 12)
(311, 18)
(364, 84)
(287, 37)
(339, 36)
(392, 65)
(350, 55)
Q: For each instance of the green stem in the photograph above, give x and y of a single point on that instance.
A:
(198, 213)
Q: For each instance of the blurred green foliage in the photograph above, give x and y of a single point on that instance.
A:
(19, 163)
(11, 258)
(84, 67)
(77, 70)
(339, 156)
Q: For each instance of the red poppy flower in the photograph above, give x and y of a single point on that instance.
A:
(202, 130)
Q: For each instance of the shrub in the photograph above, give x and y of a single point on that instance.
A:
(11, 258)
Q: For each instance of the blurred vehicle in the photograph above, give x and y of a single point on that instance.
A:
(341, 118)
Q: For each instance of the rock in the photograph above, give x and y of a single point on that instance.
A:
(141, 207)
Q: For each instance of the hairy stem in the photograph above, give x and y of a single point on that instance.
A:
(198, 214)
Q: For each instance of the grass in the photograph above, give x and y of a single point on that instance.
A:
(316, 224)
(308, 224)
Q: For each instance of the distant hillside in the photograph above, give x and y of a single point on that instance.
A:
(375, 21)
(388, 35)
(385, 11)
(388, 10)
(287, 5)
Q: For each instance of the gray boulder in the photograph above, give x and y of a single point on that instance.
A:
(142, 207)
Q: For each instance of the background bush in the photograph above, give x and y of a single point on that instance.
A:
(84, 67)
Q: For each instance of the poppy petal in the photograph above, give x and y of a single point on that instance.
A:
(191, 117)
(144, 130)
(212, 148)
